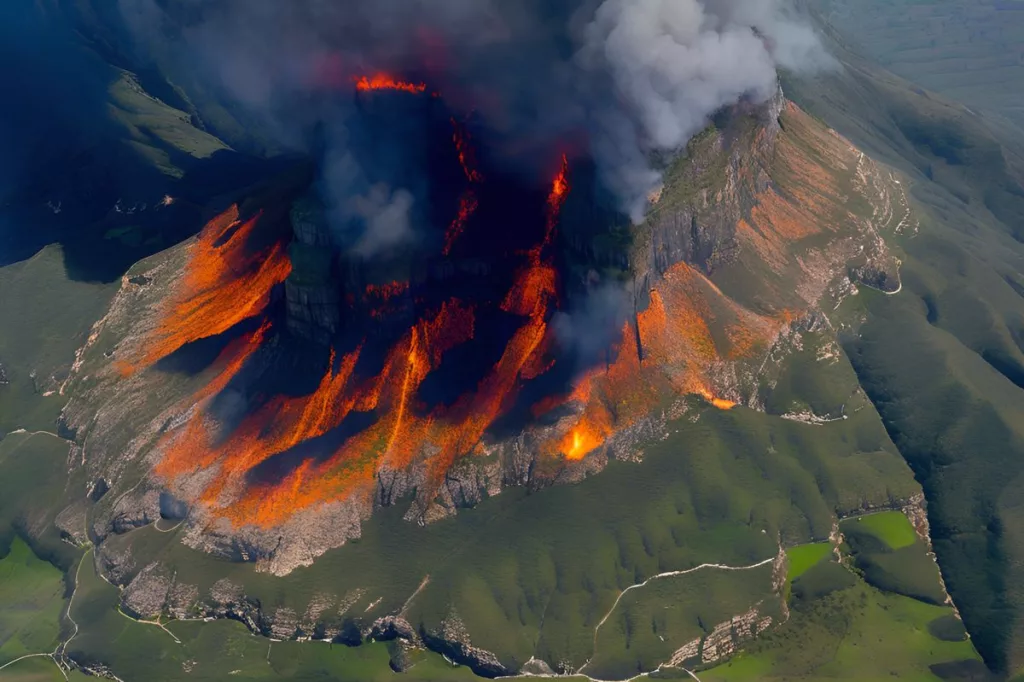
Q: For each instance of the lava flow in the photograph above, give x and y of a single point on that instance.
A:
(401, 426)
(385, 82)
(223, 284)
(467, 202)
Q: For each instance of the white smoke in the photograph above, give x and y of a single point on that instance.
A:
(672, 64)
(384, 215)
(635, 76)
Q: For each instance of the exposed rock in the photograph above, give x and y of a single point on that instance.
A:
(393, 627)
(452, 639)
(146, 595)
(134, 510)
(314, 310)
(726, 637)
(71, 522)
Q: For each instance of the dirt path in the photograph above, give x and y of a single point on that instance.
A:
(667, 574)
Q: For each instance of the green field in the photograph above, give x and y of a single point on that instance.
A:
(650, 623)
(804, 557)
(849, 632)
(892, 527)
(31, 599)
(222, 649)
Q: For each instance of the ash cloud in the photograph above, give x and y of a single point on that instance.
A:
(630, 78)
(587, 332)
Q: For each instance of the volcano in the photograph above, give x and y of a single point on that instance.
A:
(314, 380)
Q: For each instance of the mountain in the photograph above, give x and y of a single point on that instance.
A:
(770, 432)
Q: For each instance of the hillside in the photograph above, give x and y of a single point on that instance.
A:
(805, 378)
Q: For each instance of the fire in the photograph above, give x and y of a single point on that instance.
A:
(223, 284)
(465, 152)
(560, 187)
(467, 207)
(666, 351)
(468, 201)
(387, 291)
(383, 81)
(402, 427)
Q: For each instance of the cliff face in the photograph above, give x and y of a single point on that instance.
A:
(312, 298)
(708, 190)
(750, 214)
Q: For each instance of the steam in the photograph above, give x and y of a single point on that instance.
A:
(385, 219)
(631, 77)
(674, 63)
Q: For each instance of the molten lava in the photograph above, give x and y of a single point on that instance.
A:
(385, 82)
(402, 428)
(223, 284)
(467, 202)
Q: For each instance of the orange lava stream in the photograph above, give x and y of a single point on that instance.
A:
(383, 81)
(401, 433)
(467, 207)
(677, 348)
(223, 284)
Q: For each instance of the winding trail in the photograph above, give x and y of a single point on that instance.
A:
(667, 574)
(63, 646)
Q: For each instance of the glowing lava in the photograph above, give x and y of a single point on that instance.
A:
(223, 284)
(402, 428)
(468, 201)
(385, 82)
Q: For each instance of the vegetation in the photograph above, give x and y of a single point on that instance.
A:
(650, 623)
(804, 557)
(844, 629)
(31, 592)
(891, 528)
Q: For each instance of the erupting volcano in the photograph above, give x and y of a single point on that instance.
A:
(422, 368)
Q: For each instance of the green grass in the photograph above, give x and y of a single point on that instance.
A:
(222, 649)
(891, 527)
(803, 557)
(652, 622)
(531, 574)
(36, 669)
(48, 318)
(854, 633)
(32, 597)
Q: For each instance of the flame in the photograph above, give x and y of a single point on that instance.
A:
(673, 355)
(222, 285)
(465, 153)
(383, 81)
(387, 291)
(467, 207)
(468, 201)
(402, 428)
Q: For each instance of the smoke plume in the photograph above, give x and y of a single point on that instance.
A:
(624, 79)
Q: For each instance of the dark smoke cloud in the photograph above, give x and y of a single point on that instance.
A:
(628, 77)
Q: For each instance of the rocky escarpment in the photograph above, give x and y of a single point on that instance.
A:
(313, 303)
(707, 191)
(706, 341)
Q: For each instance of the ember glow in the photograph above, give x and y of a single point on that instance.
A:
(385, 82)
(402, 426)
(223, 283)
(369, 413)
(467, 202)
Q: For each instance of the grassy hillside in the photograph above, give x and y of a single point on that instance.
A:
(31, 591)
(842, 629)
(941, 361)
